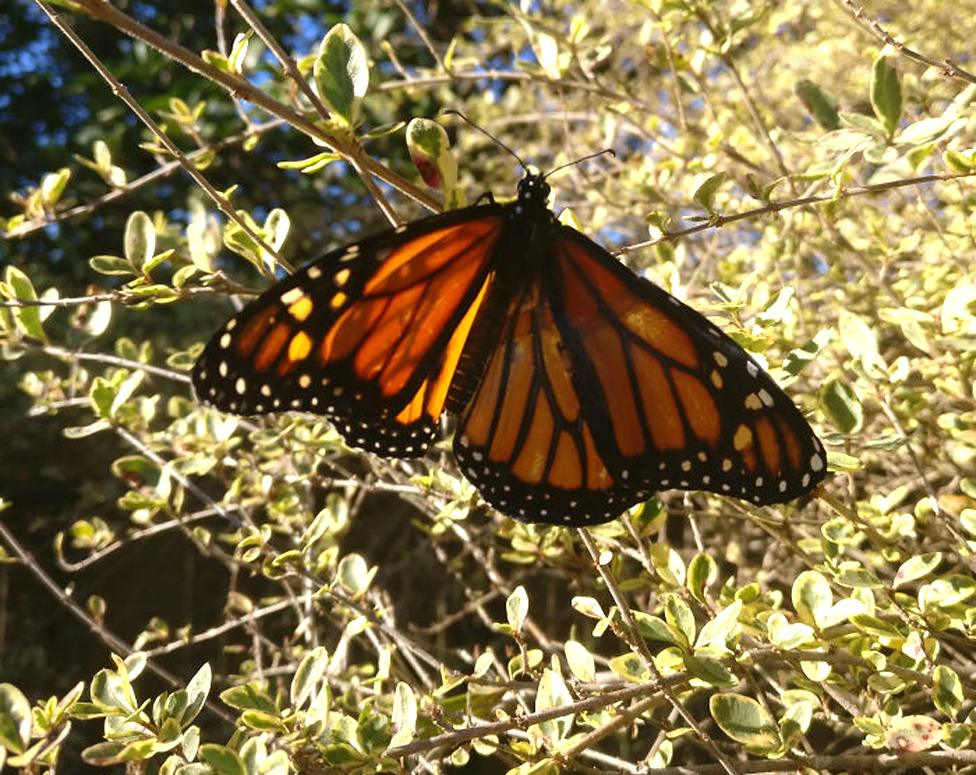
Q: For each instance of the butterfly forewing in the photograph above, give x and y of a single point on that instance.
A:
(369, 335)
(679, 404)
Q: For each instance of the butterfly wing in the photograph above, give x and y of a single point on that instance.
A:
(677, 403)
(603, 388)
(526, 437)
(370, 334)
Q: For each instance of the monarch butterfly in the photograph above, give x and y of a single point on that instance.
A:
(579, 387)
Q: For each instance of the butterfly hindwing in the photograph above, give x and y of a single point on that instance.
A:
(526, 437)
(369, 335)
(678, 403)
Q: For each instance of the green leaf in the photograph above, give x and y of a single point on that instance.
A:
(140, 239)
(916, 567)
(681, 619)
(53, 185)
(238, 52)
(276, 228)
(927, 130)
(668, 564)
(858, 578)
(197, 691)
(261, 721)
(886, 99)
(216, 59)
(841, 405)
(702, 572)
(860, 340)
(811, 597)
(404, 715)
(547, 52)
(276, 764)
(710, 670)
(28, 317)
(310, 670)
(552, 693)
(705, 193)
(108, 692)
(588, 606)
(946, 591)
(125, 391)
(342, 73)
(947, 691)
(655, 629)
(875, 627)
(718, 630)
(111, 265)
(247, 697)
(430, 151)
(102, 754)
(798, 359)
(630, 668)
(785, 634)
(311, 164)
(959, 162)
(156, 260)
(795, 721)
(15, 719)
(580, 660)
(819, 104)
(746, 721)
(222, 760)
(483, 664)
(868, 129)
(354, 575)
(517, 608)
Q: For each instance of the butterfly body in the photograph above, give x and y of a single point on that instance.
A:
(579, 387)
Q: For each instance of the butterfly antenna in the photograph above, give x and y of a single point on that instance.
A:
(488, 134)
(580, 161)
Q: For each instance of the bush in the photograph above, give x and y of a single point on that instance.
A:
(801, 173)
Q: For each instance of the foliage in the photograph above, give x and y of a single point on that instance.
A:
(784, 166)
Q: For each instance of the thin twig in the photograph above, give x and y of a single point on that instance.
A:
(162, 172)
(419, 29)
(220, 629)
(110, 639)
(114, 360)
(947, 67)
(638, 643)
(355, 155)
(450, 740)
(942, 761)
(846, 192)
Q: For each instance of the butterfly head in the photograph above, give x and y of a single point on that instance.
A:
(533, 192)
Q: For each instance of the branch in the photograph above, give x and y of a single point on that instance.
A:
(235, 85)
(160, 173)
(774, 207)
(114, 360)
(947, 67)
(941, 760)
(602, 700)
